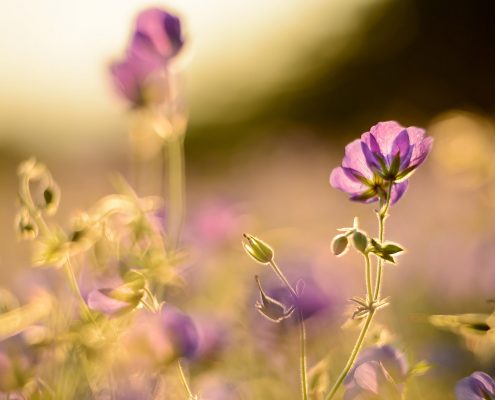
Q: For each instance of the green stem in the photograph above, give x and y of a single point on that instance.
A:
(369, 288)
(302, 332)
(353, 356)
(176, 181)
(183, 380)
(71, 277)
(382, 216)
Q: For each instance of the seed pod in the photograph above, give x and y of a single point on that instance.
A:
(339, 245)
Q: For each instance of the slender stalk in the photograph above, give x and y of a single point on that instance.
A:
(71, 277)
(183, 380)
(369, 288)
(176, 181)
(302, 332)
(382, 216)
(353, 356)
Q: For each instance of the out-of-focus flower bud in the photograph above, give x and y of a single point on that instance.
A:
(25, 226)
(51, 198)
(258, 249)
(339, 245)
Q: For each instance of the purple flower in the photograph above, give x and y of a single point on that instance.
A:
(158, 36)
(379, 373)
(386, 155)
(131, 77)
(162, 337)
(477, 386)
(156, 40)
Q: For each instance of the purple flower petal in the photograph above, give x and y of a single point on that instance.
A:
(398, 191)
(367, 376)
(421, 151)
(475, 387)
(355, 159)
(162, 31)
(385, 134)
(99, 300)
(130, 76)
(401, 144)
(341, 180)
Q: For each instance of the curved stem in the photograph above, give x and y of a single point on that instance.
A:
(352, 357)
(302, 331)
(183, 380)
(71, 277)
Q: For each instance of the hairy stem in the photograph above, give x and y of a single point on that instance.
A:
(369, 288)
(382, 216)
(353, 356)
(302, 332)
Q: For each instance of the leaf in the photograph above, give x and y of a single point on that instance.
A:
(392, 248)
(421, 368)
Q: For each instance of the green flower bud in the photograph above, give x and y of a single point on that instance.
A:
(339, 245)
(257, 249)
(360, 241)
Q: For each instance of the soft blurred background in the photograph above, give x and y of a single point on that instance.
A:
(275, 90)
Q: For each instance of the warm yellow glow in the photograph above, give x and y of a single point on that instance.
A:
(55, 53)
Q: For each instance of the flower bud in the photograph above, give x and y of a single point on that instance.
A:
(360, 241)
(51, 198)
(339, 245)
(26, 227)
(257, 249)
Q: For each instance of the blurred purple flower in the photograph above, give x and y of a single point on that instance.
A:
(130, 77)
(156, 40)
(386, 155)
(102, 300)
(311, 301)
(212, 337)
(158, 36)
(477, 386)
(378, 373)
(164, 336)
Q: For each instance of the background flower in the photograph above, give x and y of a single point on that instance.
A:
(477, 386)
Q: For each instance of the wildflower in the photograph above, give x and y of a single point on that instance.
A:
(386, 155)
(158, 36)
(162, 337)
(379, 373)
(477, 386)
(131, 78)
(156, 40)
